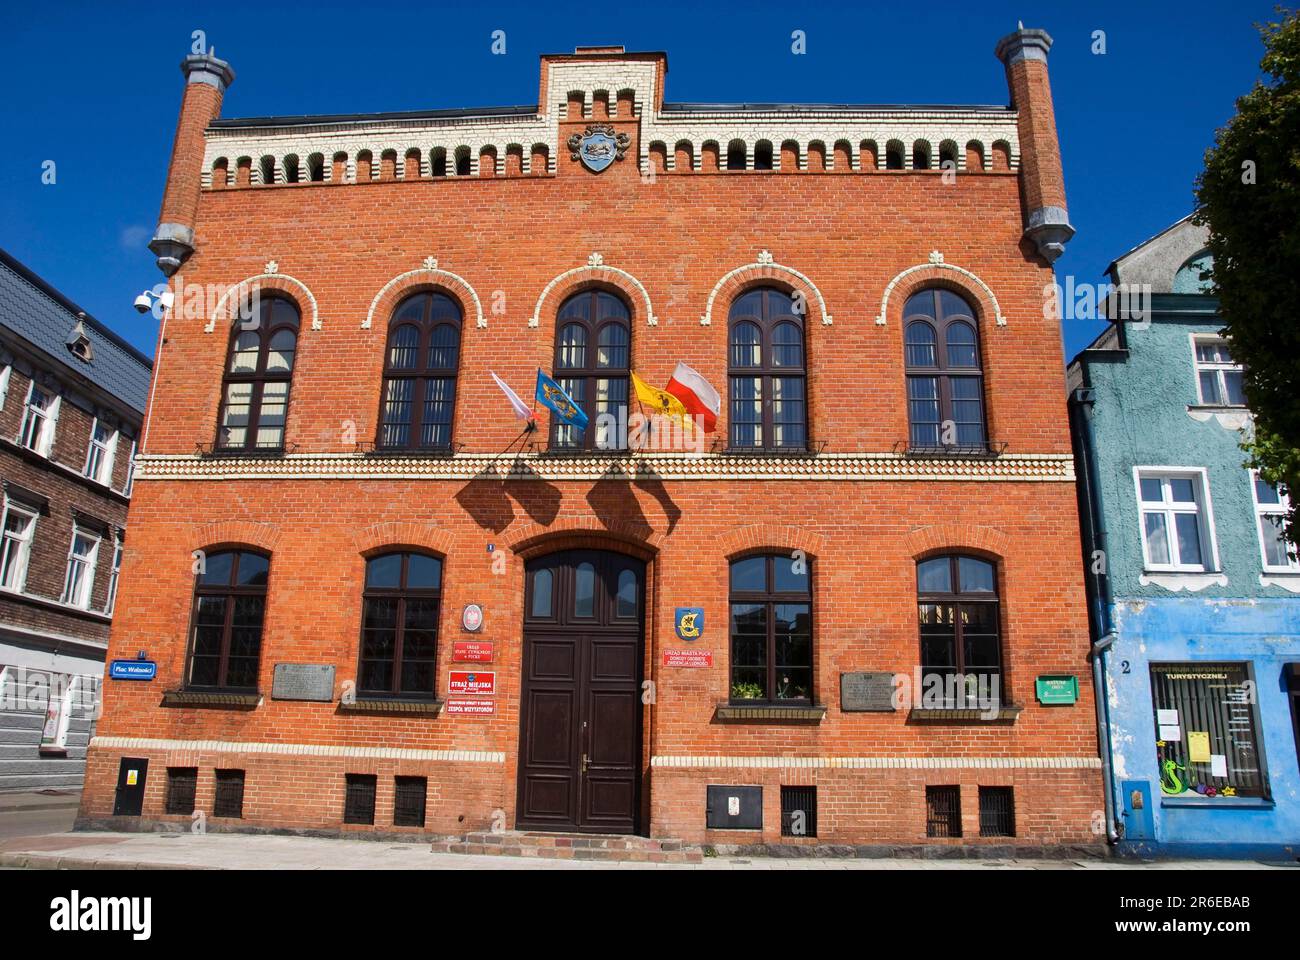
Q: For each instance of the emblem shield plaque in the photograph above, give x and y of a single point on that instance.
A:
(598, 146)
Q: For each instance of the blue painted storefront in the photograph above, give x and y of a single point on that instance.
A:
(1261, 632)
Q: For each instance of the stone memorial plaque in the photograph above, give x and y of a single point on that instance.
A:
(867, 692)
(303, 681)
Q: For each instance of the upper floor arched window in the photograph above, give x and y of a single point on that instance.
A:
(259, 370)
(767, 374)
(945, 383)
(420, 365)
(229, 606)
(593, 333)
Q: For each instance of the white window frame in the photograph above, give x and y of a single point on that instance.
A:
(49, 417)
(114, 575)
(24, 544)
(1281, 508)
(5, 374)
(1204, 513)
(129, 483)
(108, 452)
(1218, 369)
(79, 596)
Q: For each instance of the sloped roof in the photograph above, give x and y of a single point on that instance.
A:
(42, 316)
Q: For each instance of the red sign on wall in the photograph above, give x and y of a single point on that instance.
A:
(478, 681)
(477, 708)
(688, 658)
(471, 651)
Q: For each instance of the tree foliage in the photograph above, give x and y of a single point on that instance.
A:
(1249, 197)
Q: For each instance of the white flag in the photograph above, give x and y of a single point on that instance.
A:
(522, 410)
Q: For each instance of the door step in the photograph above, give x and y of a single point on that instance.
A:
(571, 846)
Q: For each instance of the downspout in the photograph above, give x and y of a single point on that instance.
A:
(1098, 590)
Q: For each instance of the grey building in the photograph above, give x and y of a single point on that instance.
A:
(72, 398)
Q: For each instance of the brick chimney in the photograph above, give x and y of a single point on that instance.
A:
(1047, 222)
(206, 80)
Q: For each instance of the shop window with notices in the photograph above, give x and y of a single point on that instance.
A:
(1207, 731)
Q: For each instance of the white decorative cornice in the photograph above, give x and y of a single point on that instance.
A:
(296, 749)
(428, 266)
(271, 273)
(595, 263)
(1230, 418)
(1289, 582)
(937, 263)
(764, 261)
(1050, 468)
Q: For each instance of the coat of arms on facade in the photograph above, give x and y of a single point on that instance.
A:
(598, 146)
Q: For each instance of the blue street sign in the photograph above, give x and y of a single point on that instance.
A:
(133, 669)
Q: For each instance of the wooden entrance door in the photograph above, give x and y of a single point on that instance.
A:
(580, 707)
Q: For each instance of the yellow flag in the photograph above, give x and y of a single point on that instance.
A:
(658, 401)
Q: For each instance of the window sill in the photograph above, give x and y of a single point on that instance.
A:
(990, 450)
(1238, 803)
(733, 712)
(58, 605)
(391, 705)
(1231, 418)
(42, 460)
(210, 698)
(1177, 580)
(1006, 714)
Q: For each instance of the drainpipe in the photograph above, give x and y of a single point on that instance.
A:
(1098, 589)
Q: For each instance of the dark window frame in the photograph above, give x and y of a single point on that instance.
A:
(360, 797)
(940, 322)
(259, 377)
(768, 322)
(770, 598)
(402, 593)
(230, 592)
(182, 790)
(943, 811)
(958, 599)
(423, 371)
(224, 795)
(589, 372)
(997, 805)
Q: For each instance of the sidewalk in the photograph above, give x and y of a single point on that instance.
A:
(233, 851)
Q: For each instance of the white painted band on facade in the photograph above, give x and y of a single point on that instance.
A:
(298, 749)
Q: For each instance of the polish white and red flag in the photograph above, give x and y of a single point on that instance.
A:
(696, 395)
(522, 410)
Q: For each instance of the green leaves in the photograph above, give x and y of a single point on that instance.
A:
(1249, 197)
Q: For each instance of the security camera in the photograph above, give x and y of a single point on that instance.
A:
(145, 302)
(142, 303)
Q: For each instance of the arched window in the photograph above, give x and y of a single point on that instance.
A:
(229, 605)
(771, 629)
(961, 645)
(766, 372)
(420, 374)
(259, 369)
(945, 384)
(592, 352)
(399, 626)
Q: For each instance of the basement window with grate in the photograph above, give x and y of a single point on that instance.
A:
(359, 799)
(230, 794)
(943, 811)
(182, 783)
(997, 812)
(798, 811)
(409, 795)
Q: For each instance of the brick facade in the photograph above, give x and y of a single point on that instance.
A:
(677, 242)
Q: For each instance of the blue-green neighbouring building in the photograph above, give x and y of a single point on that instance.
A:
(1194, 600)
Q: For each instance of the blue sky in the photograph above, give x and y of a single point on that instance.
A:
(96, 88)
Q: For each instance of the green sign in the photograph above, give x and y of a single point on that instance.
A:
(1057, 689)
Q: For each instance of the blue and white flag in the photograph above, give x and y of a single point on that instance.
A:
(552, 395)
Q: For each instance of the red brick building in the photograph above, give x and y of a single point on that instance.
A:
(889, 493)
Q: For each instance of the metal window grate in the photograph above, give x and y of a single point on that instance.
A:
(943, 811)
(798, 811)
(182, 783)
(997, 812)
(408, 801)
(359, 798)
(230, 794)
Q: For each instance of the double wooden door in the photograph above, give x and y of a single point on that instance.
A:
(580, 707)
